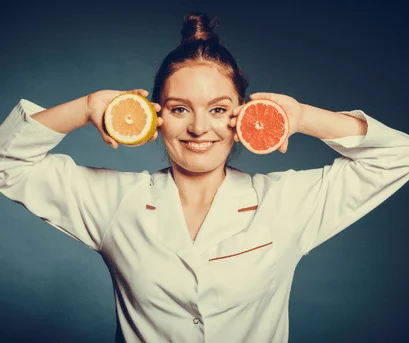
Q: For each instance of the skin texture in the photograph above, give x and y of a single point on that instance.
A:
(196, 117)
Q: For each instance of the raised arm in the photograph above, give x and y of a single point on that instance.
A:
(77, 200)
(66, 117)
(310, 120)
(318, 203)
(88, 109)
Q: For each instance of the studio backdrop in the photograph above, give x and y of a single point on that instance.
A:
(341, 57)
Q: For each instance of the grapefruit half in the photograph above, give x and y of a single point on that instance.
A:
(130, 119)
(262, 126)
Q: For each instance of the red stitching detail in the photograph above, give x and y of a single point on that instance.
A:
(243, 252)
(251, 208)
(150, 207)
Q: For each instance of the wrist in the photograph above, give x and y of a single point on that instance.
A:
(87, 108)
(303, 122)
(324, 124)
(318, 122)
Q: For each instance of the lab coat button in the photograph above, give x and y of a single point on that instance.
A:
(196, 321)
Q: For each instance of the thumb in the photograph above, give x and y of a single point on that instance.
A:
(105, 136)
(109, 140)
(283, 148)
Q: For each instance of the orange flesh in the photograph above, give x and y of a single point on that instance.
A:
(128, 117)
(262, 126)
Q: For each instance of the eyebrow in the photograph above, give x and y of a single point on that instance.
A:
(188, 101)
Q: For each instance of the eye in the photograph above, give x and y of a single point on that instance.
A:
(178, 110)
(219, 110)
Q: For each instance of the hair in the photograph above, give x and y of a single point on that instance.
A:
(200, 45)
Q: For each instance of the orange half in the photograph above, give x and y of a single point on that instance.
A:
(130, 119)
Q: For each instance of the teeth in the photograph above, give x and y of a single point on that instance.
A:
(200, 145)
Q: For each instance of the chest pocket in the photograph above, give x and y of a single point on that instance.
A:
(243, 268)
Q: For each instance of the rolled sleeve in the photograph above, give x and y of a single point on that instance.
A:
(329, 199)
(79, 201)
(19, 131)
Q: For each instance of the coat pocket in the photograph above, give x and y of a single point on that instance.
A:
(243, 271)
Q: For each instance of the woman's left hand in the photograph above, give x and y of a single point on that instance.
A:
(292, 107)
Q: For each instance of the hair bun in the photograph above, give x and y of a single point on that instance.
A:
(198, 26)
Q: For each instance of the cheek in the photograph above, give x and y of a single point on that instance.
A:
(171, 127)
(223, 129)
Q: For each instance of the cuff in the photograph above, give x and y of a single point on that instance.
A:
(26, 109)
(22, 135)
(378, 135)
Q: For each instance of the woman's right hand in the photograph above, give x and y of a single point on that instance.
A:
(97, 103)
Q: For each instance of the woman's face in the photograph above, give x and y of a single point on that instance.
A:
(197, 104)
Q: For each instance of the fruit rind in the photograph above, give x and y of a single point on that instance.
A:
(149, 129)
(239, 121)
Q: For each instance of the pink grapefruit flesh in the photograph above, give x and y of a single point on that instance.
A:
(262, 126)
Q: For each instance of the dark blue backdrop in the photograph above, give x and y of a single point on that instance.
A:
(354, 55)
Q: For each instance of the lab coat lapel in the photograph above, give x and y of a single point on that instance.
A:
(168, 223)
(222, 221)
(224, 218)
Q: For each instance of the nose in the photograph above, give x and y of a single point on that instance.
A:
(199, 125)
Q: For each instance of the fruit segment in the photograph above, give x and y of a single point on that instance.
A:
(128, 118)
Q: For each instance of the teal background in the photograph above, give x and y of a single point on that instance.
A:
(353, 55)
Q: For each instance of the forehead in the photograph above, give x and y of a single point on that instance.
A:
(199, 81)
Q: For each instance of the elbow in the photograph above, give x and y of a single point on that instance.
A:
(10, 175)
(5, 179)
(3, 174)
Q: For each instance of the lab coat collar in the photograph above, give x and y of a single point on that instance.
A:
(222, 221)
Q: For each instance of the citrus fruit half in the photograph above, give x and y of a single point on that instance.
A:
(130, 119)
(262, 126)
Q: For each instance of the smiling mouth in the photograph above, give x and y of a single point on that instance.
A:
(198, 146)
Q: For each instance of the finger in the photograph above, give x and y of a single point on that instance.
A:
(155, 135)
(110, 141)
(283, 148)
(264, 95)
(159, 121)
(114, 144)
(141, 91)
(237, 110)
(233, 122)
(156, 106)
(104, 134)
(236, 137)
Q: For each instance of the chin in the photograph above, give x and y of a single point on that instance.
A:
(198, 168)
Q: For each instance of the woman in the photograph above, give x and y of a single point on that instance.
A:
(200, 251)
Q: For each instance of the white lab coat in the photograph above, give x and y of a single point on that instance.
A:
(231, 285)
